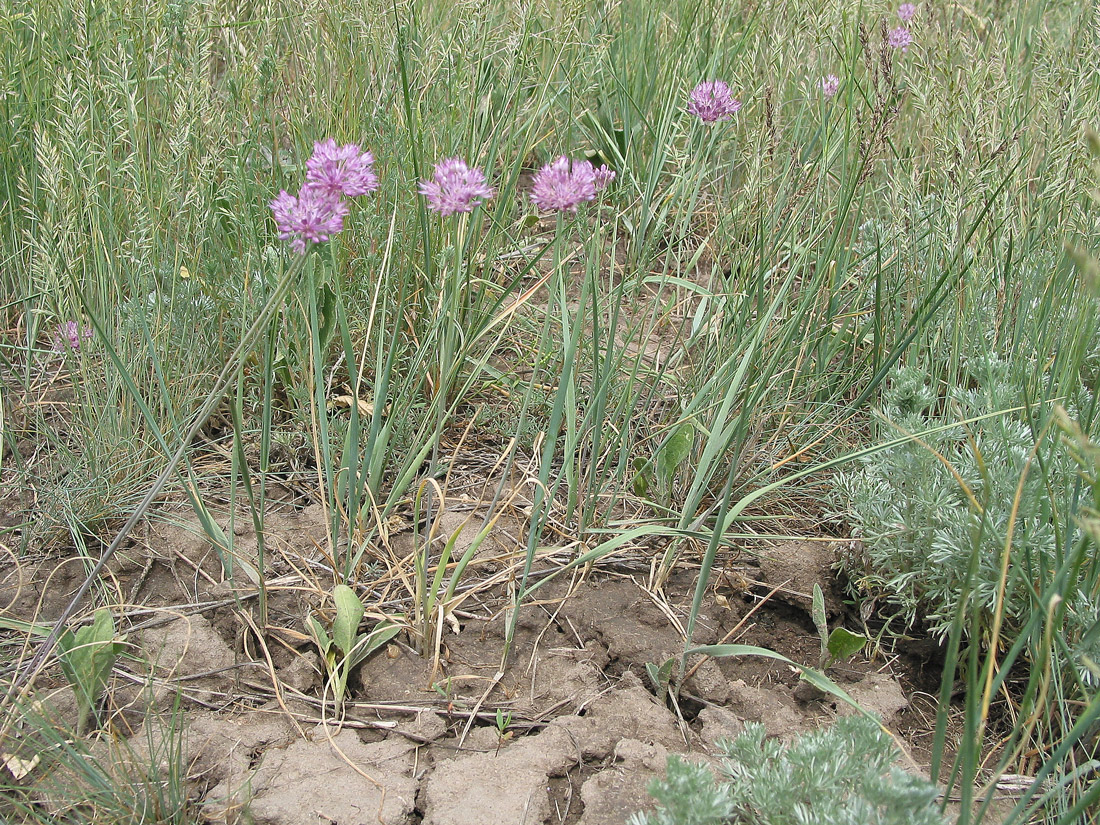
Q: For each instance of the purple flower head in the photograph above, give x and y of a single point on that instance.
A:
(829, 85)
(455, 187)
(906, 11)
(69, 335)
(563, 184)
(604, 176)
(899, 38)
(311, 217)
(340, 170)
(711, 101)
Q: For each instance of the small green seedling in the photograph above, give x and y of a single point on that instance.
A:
(662, 468)
(87, 657)
(660, 676)
(503, 720)
(840, 644)
(346, 648)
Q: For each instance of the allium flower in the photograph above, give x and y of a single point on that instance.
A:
(69, 335)
(711, 100)
(312, 216)
(319, 210)
(340, 170)
(563, 184)
(829, 85)
(455, 187)
(906, 11)
(603, 175)
(899, 38)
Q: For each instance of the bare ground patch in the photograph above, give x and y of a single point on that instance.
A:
(569, 730)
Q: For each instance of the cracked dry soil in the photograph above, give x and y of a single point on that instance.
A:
(421, 741)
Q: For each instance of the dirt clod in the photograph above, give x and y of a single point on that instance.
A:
(796, 566)
(326, 780)
(615, 793)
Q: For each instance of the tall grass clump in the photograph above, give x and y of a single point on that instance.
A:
(51, 774)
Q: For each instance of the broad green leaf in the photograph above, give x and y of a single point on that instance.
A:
(86, 660)
(101, 639)
(72, 662)
(641, 477)
(674, 451)
(844, 644)
(382, 633)
(820, 622)
(317, 630)
(349, 612)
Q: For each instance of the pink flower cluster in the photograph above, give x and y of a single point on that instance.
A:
(318, 212)
(340, 170)
(899, 38)
(69, 335)
(560, 185)
(455, 187)
(712, 101)
(335, 172)
(563, 184)
(311, 217)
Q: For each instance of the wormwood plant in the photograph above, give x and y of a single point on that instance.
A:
(986, 534)
(840, 775)
(920, 508)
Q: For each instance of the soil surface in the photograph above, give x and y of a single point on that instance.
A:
(569, 730)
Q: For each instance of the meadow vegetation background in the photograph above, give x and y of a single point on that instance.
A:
(862, 304)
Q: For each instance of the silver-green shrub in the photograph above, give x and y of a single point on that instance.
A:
(839, 775)
(923, 507)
